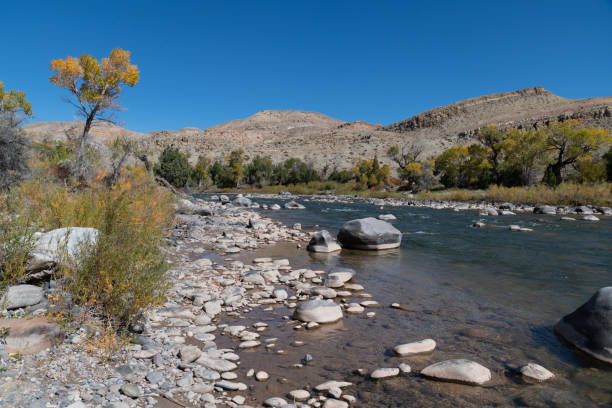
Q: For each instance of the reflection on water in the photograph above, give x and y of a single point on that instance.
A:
(488, 294)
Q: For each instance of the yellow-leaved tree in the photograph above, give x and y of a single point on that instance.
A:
(94, 87)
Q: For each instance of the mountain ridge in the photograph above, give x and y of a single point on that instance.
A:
(325, 141)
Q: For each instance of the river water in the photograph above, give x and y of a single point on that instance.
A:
(488, 294)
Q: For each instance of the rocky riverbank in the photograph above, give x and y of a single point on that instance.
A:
(224, 302)
(584, 212)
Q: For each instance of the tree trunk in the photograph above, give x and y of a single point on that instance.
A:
(81, 165)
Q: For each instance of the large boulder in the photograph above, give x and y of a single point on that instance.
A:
(319, 311)
(292, 205)
(459, 370)
(322, 241)
(21, 296)
(242, 202)
(30, 336)
(54, 244)
(369, 233)
(545, 209)
(589, 328)
(185, 206)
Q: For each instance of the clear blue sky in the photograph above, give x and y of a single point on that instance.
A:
(206, 62)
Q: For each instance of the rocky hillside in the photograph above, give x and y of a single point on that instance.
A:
(322, 140)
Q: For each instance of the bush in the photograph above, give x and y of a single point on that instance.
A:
(259, 171)
(174, 167)
(13, 152)
(125, 271)
(16, 243)
(341, 176)
(294, 171)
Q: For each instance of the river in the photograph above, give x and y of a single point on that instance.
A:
(486, 294)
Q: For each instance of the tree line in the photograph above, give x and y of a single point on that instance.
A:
(552, 154)
(235, 169)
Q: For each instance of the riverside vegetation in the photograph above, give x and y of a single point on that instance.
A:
(563, 163)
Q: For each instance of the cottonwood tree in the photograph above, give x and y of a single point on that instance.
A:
(94, 87)
(14, 107)
(492, 138)
(569, 141)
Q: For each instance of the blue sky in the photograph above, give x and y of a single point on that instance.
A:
(206, 62)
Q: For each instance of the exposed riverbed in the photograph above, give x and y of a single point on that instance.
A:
(489, 294)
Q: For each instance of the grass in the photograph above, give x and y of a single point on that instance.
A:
(571, 194)
(316, 187)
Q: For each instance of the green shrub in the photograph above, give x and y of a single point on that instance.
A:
(174, 167)
(16, 243)
(125, 271)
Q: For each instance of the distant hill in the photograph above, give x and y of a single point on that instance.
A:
(322, 140)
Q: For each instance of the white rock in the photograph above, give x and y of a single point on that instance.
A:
(325, 386)
(334, 403)
(417, 347)
(536, 372)
(405, 368)
(262, 376)
(274, 402)
(320, 311)
(299, 395)
(385, 372)
(459, 370)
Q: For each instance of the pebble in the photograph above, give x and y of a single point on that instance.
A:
(262, 376)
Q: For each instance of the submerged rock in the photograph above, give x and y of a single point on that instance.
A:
(536, 372)
(459, 370)
(589, 328)
(369, 233)
(319, 311)
(338, 277)
(387, 217)
(417, 347)
(322, 241)
(385, 372)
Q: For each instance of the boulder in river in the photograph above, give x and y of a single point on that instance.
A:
(545, 209)
(319, 311)
(292, 205)
(459, 370)
(369, 233)
(242, 202)
(322, 241)
(387, 217)
(589, 328)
